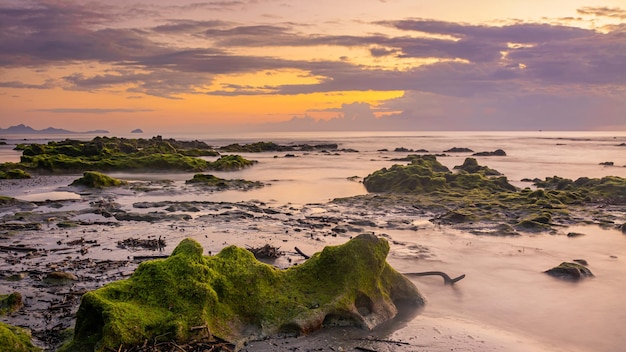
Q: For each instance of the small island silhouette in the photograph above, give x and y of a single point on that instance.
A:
(23, 129)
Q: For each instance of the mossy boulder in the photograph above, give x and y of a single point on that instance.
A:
(93, 179)
(237, 297)
(570, 271)
(15, 339)
(231, 162)
(14, 174)
(10, 303)
(426, 175)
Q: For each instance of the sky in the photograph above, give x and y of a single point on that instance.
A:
(302, 65)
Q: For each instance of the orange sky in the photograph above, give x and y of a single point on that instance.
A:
(395, 65)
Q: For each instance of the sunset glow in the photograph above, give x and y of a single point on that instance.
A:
(120, 65)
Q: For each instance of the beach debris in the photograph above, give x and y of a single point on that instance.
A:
(305, 256)
(239, 298)
(150, 243)
(266, 251)
(570, 271)
(446, 278)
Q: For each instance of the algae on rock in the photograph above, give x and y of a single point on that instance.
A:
(95, 179)
(15, 339)
(237, 297)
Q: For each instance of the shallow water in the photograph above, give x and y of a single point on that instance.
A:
(505, 302)
(505, 286)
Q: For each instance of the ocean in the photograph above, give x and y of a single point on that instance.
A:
(505, 303)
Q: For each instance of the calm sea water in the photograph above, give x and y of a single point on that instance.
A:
(505, 291)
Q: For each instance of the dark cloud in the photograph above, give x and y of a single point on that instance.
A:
(474, 60)
(603, 11)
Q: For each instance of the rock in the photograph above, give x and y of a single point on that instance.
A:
(60, 278)
(458, 150)
(15, 339)
(10, 303)
(570, 271)
(239, 298)
(575, 234)
(497, 152)
(137, 130)
(607, 163)
(93, 179)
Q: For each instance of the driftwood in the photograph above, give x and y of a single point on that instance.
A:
(302, 253)
(266, 251)
(446, 278)
(153, 244)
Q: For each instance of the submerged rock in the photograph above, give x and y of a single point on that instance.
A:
(237, 297)
(570, 271)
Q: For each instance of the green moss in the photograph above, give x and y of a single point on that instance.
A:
(237, 296)
(425, 175)
(231, 162)
(477, 196)
(15, 339)
(93, 179)
(10, 303)
(14, 174)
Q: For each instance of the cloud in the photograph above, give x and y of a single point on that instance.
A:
(482, 67)
(603, 11)
(92, 111)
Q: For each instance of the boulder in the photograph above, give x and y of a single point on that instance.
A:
(236, 297)
(570, 271)
(15, 339)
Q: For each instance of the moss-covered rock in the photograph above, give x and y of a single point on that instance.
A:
(425, 175)
(14, 174)
(231, 162)
(10, 303)
(15, 339)
(121, 154)
(93, 179)
(220, 183)
(477, 193)
(238, 297)
(570, 271)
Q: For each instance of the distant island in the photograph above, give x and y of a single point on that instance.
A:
(23, 129)
(137, 130)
